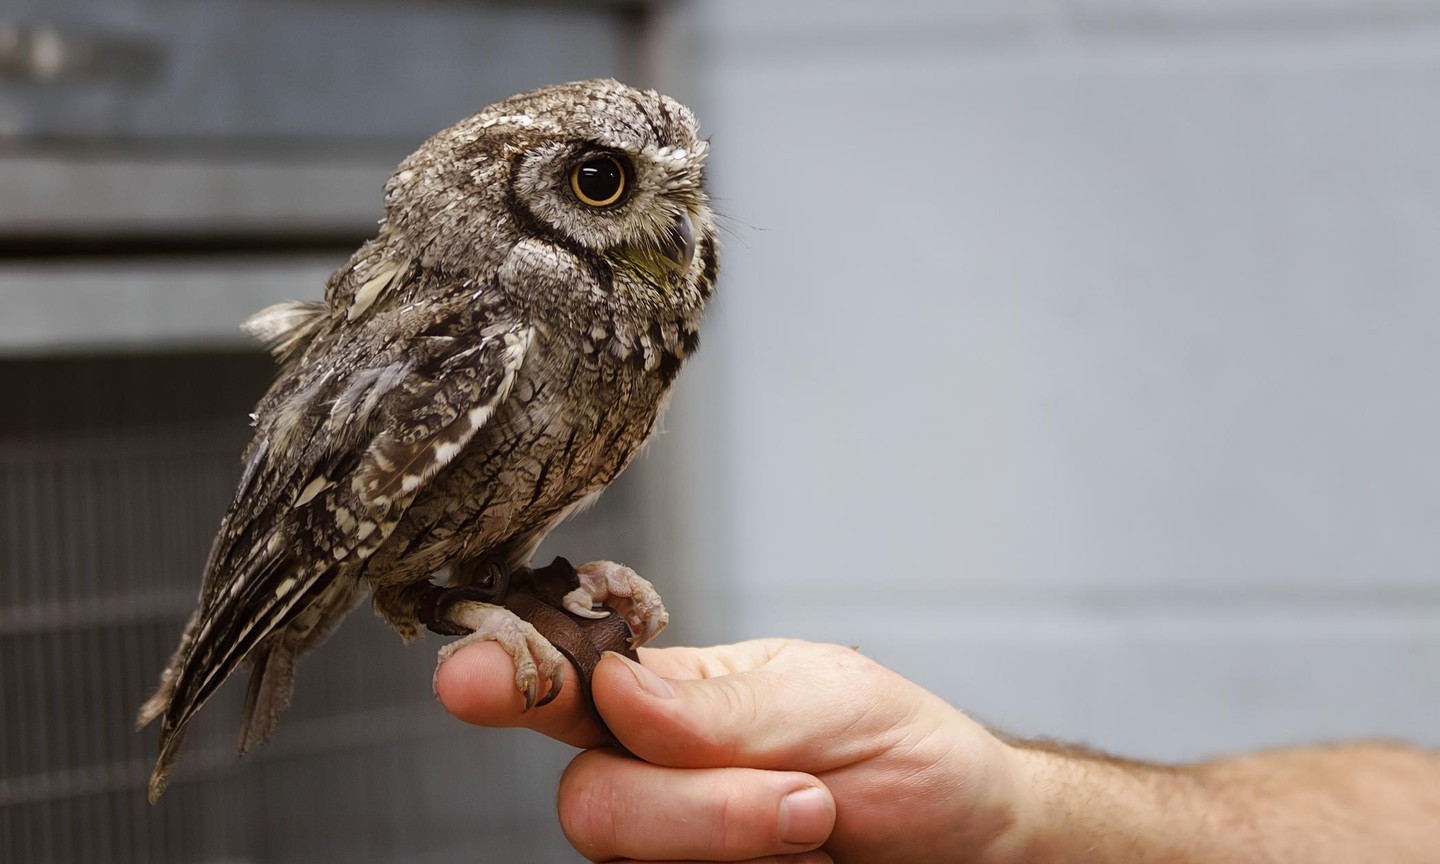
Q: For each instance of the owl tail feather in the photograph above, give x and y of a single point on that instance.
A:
(271, 684)
(160, 777)
(272, 681)
(158, 703)
(153, 707)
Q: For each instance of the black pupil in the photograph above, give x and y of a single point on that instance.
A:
(599, 179)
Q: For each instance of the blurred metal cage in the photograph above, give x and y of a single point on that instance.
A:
(192, 163)
(113, 474)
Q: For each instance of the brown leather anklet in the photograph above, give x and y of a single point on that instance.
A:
(537, 596)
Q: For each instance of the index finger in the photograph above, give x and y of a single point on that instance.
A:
(477, 685)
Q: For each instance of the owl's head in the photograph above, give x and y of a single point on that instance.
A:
(602, 170)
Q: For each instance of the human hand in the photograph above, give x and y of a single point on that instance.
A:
(886, 772)
(762, 751)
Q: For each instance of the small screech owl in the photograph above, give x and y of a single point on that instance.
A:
(478, 371)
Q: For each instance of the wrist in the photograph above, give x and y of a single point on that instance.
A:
(1041, 825)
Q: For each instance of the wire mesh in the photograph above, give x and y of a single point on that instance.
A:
(114, 472)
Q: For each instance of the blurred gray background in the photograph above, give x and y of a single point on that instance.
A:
(1078, 360)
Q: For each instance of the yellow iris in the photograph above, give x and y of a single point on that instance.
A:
(598, 182)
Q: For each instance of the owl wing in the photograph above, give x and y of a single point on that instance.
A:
(340, 451)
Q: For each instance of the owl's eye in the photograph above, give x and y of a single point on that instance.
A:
(599, 181)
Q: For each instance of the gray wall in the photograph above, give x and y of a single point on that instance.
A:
(1080, 360)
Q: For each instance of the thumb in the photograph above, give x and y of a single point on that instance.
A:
(805, 707)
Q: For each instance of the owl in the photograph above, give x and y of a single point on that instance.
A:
(477, 372)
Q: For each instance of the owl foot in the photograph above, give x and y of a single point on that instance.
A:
(535, 658)
(617, 586)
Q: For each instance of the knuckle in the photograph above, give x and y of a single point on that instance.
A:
(744, 816)
(728, 833)
(847, 658)
(740, 711)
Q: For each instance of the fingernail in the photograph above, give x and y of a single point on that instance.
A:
(805, 816)
(648, 681)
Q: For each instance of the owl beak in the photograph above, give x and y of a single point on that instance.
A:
(679, 246)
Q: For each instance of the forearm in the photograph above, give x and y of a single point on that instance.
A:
(1340, 804)
(1360, 802)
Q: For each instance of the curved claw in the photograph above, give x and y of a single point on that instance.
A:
(646, 624)
(557, 682)
(623, 590)
(578, 602)
(534, 657)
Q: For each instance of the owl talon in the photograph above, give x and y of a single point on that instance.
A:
(574, 608)
(549, 697)
(625, 591)
(535, 658)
